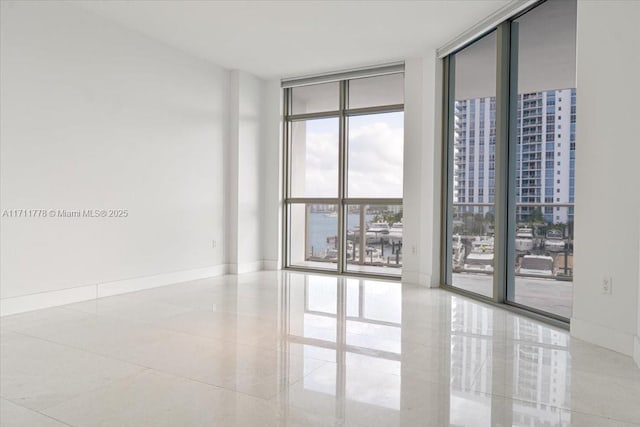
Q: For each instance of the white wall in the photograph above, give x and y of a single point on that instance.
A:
(271, 191)
(98, 117)
(422, 159)
(607, 199)
(245, 164)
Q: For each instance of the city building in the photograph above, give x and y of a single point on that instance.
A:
(545, 154)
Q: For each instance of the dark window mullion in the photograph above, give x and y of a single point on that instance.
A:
(342, 177)
(505, 173)
(447, 170)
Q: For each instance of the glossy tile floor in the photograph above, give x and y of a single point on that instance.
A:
(273, 348)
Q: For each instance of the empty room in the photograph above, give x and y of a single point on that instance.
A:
(319, 213)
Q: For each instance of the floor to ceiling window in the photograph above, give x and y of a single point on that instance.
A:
(344, 140)
(510, 156)
(473, 147)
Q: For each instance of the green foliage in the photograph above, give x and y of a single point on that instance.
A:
(536, 216)
(388, 217)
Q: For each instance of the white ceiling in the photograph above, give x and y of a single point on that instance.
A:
(274, 39)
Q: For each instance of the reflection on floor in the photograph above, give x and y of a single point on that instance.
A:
(274, 348)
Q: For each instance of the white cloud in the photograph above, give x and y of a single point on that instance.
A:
(321, 172)
(375, 156)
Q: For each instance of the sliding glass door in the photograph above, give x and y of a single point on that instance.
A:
(545, 157)
(510, 161)
(472, 148)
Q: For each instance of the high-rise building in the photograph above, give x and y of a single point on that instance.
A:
(545, 156)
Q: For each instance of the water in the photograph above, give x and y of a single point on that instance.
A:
(322, 227)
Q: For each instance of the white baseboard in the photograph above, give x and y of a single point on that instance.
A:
(147, 282)
(41, 300)
(603, 336)
(245, 267)
(427, 280)
(636, 349)
(417, 278)
(270, 265)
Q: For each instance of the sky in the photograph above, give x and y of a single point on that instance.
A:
(375, 156)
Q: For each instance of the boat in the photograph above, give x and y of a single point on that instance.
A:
(536, 265)
(480, 259)
(554, 241)
(377, 231)
(524, 239)
(378, 227)
(395, 233)
(353, 235)
(331, 214)
(331, 255)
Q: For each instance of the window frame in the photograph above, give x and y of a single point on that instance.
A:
(342, 200)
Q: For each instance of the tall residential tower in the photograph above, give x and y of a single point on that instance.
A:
(545, 155)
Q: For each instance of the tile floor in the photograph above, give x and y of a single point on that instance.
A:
(276, 348)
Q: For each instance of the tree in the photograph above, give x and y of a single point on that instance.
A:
(489, 218)
(393, 217)
(536, 216)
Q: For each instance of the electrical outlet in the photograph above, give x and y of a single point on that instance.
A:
(414, 250)
(607, 285)
(214, 244)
